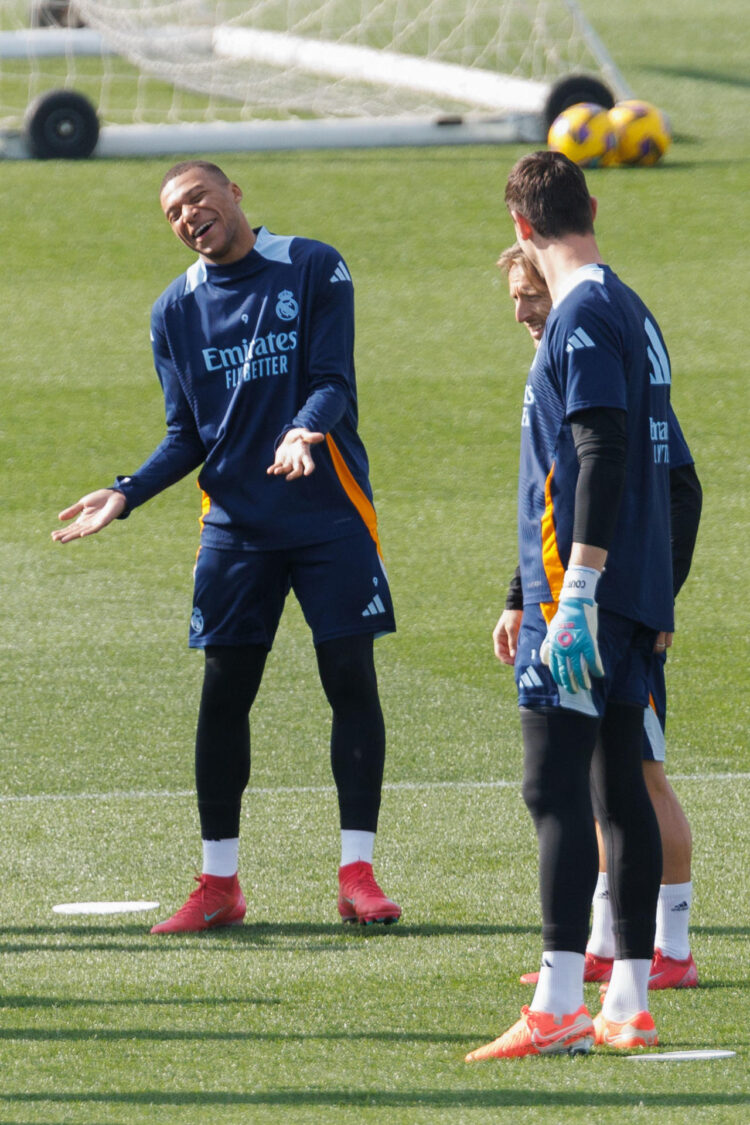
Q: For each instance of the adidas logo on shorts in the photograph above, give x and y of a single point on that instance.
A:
(374, 608)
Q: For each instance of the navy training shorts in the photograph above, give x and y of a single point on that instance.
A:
(627, 652)
(239, 596)
(655, 716)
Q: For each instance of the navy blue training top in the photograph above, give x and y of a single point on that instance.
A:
(244, 352)
(601, 348)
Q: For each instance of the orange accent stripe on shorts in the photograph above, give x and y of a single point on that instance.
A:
(360, 501)
(553, 567)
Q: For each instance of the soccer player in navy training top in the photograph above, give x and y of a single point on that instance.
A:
(596, 572)
(673, 965)
(253, 346)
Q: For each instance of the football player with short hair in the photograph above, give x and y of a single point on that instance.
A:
(673, 965)
(596, 572)
(254, 349)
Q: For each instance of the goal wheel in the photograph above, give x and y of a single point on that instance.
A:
(572, 89)
(53, 13)
(60, 124)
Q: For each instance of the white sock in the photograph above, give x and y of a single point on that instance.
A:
(560, 986)
(627, 994)
(602, 937)
(221, 857)
(356, 845)
(673, 919)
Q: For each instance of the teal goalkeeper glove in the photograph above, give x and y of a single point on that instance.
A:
(570, 649)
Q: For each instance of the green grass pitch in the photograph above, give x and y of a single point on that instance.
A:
(293, 1018)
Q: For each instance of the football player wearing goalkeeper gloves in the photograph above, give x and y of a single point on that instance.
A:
(596, 573)
(673, 965)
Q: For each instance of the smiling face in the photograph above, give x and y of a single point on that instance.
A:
(204, 212)
(531, 299)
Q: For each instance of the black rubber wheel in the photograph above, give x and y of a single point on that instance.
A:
(61, 124)
(54, 13)
(576, 88)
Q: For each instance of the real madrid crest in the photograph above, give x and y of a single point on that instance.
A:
(286, 306)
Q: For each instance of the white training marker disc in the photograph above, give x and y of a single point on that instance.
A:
(684, 1056)
(102, 907)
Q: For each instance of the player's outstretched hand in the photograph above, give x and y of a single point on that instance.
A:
(570, 649)
(505, 635)
(293, 457)
(94, 511)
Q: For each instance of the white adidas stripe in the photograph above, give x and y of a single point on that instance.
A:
(341, 273)
(579, 339)
(374, 608)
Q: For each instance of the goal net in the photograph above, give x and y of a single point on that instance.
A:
(292, 65)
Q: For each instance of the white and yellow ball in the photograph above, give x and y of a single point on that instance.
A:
(585, 134)
(642, 131)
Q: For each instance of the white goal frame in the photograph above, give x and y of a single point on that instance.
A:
(486, 93)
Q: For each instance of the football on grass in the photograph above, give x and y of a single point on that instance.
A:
(643, 133)
(585, 134)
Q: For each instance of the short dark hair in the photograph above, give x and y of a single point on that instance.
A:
(550, 191)
(186, 165)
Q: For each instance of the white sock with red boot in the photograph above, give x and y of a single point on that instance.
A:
(356, 846)
(221, 857)
(673, 920)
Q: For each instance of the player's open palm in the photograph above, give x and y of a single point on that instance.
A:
(93, 512)
(293, 457)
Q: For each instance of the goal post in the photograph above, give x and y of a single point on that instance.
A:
(170, 76)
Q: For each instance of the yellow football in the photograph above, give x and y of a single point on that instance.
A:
(643, 132)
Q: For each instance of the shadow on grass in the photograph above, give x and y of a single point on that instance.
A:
(63, 938)
(98, 1002)
(720, 931)
(673, 163)
(307, 937)
(445, 1099)
(721, 78)
(234, 1035)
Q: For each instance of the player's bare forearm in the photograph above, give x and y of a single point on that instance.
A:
(91, 513)
(582, 554)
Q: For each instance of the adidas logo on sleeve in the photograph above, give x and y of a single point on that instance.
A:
(579, 339)
(341, 273)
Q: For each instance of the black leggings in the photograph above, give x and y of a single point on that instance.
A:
(567, 756)
(630, 829)
(222, 748)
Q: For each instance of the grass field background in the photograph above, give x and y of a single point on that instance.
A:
(292, 1017)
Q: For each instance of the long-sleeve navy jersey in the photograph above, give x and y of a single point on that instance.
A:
(244, 352)
(601, 348)
(685, 503)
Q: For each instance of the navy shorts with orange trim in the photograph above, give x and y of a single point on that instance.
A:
(655, 717)
(626, 650)
(341, 586)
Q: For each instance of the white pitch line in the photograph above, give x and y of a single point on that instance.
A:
(685, 1056)
(104, 907)
(173, 794)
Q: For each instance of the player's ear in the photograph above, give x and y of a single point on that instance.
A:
(524, 229)
(236, 191)
(594, 207)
